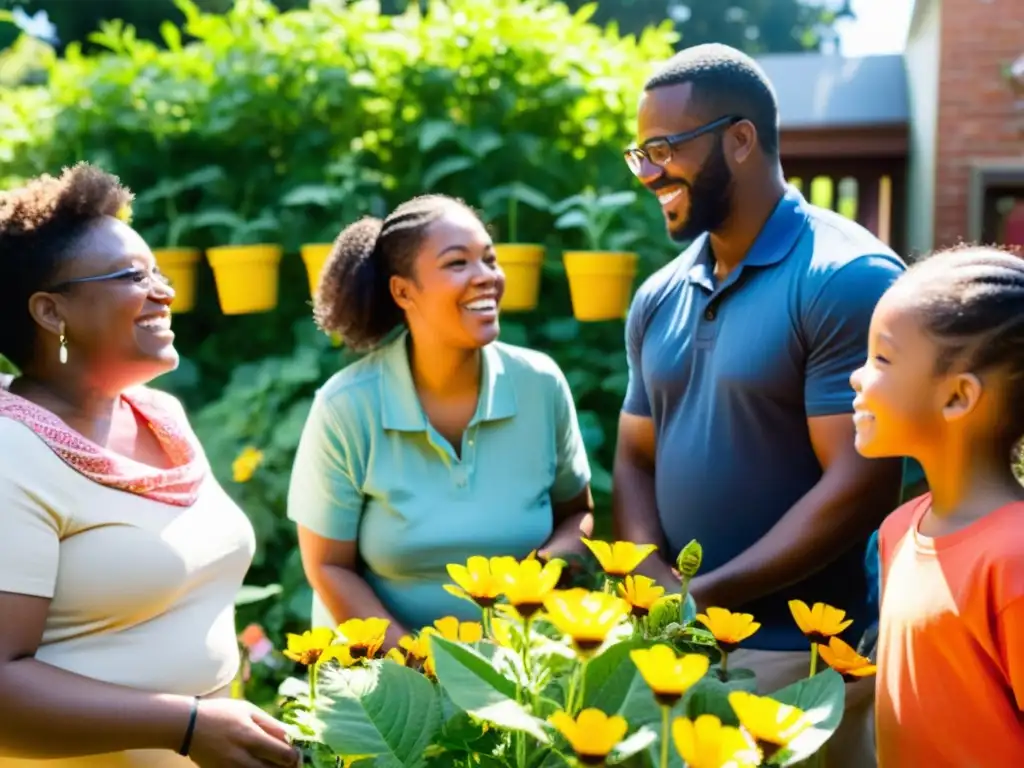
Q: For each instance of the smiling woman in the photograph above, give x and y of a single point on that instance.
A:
(120, 555)
(442, 442)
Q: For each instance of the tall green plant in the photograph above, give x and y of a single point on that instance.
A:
(312, 118)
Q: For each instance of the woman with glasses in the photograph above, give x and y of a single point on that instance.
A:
(120, 555)
(441, 443)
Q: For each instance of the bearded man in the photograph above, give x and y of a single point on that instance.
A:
(736, 428)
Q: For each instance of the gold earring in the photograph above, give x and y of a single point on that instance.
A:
(63, 345)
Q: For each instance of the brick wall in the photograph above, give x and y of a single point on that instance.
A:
(977, 118)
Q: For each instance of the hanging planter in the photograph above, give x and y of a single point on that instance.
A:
(600, 279)
(600, 283)
(521, 262)
(179, 266)
(314, 256)
(246, 276)
(245, 270)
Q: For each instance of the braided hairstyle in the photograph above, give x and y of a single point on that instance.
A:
(354, 295)
(972, 303)
(41, 224)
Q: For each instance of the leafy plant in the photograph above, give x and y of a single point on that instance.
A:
(553, 677)
(506, 199)
(594, 214)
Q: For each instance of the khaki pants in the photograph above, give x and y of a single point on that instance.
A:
(853, 745)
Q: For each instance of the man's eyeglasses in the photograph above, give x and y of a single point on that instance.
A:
(658, 151)
(144, 279)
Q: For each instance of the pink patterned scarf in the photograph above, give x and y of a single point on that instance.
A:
(179, 485)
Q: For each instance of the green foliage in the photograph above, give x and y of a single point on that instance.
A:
(263, 125)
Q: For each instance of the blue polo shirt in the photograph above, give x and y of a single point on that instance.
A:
(370, 468)
(731, 371)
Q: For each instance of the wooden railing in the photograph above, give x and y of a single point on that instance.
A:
(870, 193)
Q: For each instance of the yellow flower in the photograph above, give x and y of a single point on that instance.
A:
(587, 617)
(244, 467)
(340, 653)
(819, 622)
(480, 580)
(307, 647)
(772, 723)
(619, 558)
(364, 637)
(668, 675)
(416, 647)
(592, 735)
(845, 660)
(730, 629)
(396, 656)
(124, 213)
(502, 633)
(706, 743)
(641, 593)
(529, 583)
(450, 628)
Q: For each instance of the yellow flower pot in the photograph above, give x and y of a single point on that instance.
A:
(521, 264)
(314, 256)
(179, 265)
(600, 283)
(246, 276)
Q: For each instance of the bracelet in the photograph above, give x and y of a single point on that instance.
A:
(186, 743)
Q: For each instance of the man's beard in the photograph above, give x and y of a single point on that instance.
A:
(710, 201)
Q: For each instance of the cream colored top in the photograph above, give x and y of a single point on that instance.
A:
(142, 592)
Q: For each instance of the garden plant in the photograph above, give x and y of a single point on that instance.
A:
(611, 672)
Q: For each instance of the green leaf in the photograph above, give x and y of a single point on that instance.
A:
(822, 697)
(473, 684)
(574, 219)
(382, 710)
(633, 745)
(614, 686)
(444, 168)
(248, 595)
(710, 697)
(433, 132)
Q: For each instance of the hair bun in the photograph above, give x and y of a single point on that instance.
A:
(359, 240)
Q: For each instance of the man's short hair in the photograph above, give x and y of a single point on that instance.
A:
(725, 81)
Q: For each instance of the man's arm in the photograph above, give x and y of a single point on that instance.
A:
(634, 503)
(852, 498)
(634, 508)
(854, 494)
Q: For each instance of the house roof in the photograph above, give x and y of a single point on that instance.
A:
(821, 90)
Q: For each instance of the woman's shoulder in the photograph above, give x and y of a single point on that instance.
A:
(523, 362)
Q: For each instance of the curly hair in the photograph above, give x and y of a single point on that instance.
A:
(40, 224)
(354, 295)
(725, 81)
(971, 300)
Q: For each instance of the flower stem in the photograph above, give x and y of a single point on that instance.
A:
(312, 684)
(583, 683)
(724, 664)
(665, 712)
(814, 659)
(486, 621)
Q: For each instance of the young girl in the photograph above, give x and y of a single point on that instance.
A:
(944, 385)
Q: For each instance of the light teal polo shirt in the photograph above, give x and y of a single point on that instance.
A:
(371, 468)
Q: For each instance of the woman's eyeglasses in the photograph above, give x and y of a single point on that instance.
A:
(144, 279)
(658, 151)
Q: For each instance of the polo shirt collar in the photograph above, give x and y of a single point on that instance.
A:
(400, 405)
(774, 242)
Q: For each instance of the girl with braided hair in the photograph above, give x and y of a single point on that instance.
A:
(944, 385)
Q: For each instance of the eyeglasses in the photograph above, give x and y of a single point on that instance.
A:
(144, 279)
(658, 151)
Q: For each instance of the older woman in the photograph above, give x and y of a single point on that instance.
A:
(120, 555)
(441, 443)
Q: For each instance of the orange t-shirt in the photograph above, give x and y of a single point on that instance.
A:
(950, 683)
